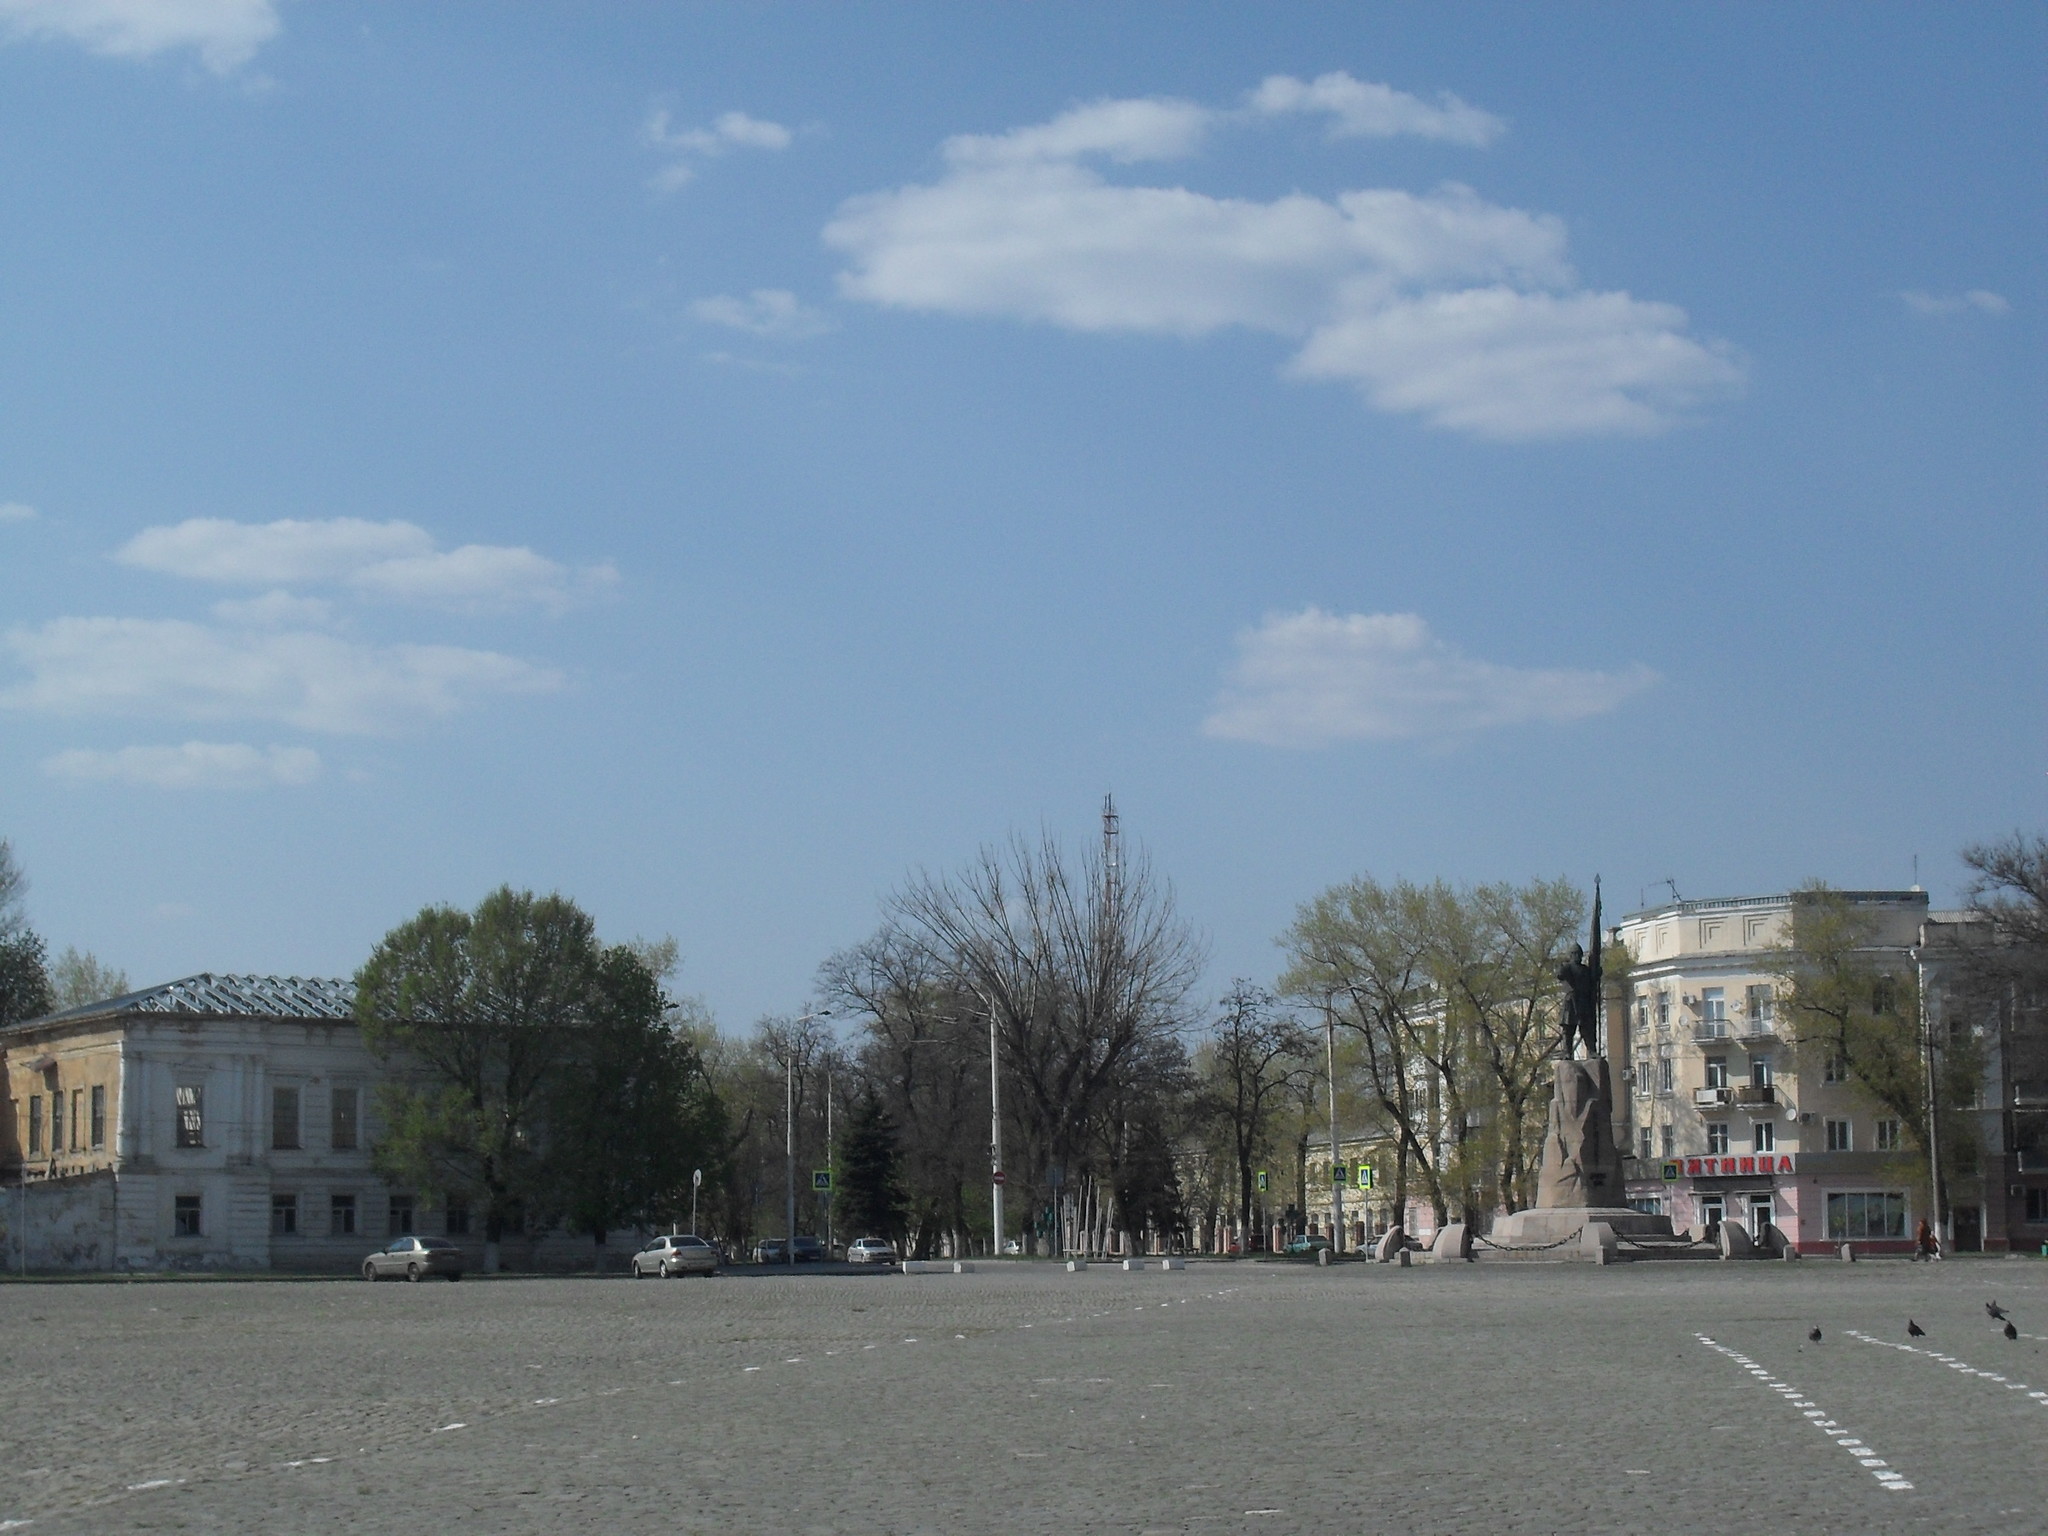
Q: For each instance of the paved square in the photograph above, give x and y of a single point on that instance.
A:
(1227, 1397)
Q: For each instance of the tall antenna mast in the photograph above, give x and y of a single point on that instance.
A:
(1112, 861)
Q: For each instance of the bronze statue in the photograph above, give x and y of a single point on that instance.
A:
(1581, 1012)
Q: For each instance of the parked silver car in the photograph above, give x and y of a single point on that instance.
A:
(679, 1253)
(414, 1258)
(871, 1250)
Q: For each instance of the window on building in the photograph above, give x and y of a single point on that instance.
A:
(35, 1124)
(1664, 1072)
(341, 1215)
(1761, 1004)
(1837, 1069)
(185, 1212)
(77, 1119)
(1663, 1009)
(2037, 1207)
(284, 1118)
(456, 1210)
(1717, 1138)
(284, 1215)
(1853, 1216)
(1760, 1072)
(1841, 1136)
(1642, 1013)
(1714, 1011)
(191, 1115)
(56, 1123)
(1643, 1143)
(401, 1216)
(1884, 994)
(99, 1116)
(1669, 1141)
(1764, 1136)
(342, 1132)
(1717, 1071)
(1887, 1139)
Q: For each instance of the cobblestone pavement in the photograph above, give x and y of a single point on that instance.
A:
(1224, 1398)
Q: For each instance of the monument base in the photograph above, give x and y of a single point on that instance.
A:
(1527, 1229)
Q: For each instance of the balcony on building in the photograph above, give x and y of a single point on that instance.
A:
(1756, 1093)
(1709, 1098)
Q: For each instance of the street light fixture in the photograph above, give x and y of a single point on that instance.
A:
(789, 1140)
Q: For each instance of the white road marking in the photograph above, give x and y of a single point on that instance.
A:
(1953, 1363)
(1815, 1415)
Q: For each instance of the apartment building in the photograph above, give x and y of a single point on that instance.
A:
(1727, 1122)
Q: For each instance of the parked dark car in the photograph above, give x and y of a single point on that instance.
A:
(414, 1258)
(775, 1250)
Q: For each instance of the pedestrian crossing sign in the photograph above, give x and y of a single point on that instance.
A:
(1338, 1176)
(821, 1181)
(1365, 1180)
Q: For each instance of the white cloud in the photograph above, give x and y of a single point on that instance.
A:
(688, 146)
(194, 765)
(1514, 366)
(394, 560)
(774, 312)
(168, 668)
(1311, 678)
(1440, 304)
(226, 33)
(274, 610)
(1364, 109)
(1982, 300)
(16, 512)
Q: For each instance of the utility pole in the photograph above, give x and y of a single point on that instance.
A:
(789, 1136)
(1336, 1156)
(995, 1132)
(1935, 1203)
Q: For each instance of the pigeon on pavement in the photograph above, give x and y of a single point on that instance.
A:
(2011, 1332)
(1815, 1334)
(1995, 1310)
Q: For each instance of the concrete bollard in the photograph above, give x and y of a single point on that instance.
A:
(961, 1267)
(1173, 1263)
(1131, 1264)
(1790, 1255)
(1846, 1254)
(1322, 1258)
(1075, 1266)
(1401, 1258)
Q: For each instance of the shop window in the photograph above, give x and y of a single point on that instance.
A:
(1852, 1217)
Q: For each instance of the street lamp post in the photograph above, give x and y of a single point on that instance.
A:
(696, 1183)
(789, 1141)
(995, 1134)
(1336, 1183)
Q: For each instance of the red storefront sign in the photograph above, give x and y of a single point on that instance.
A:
(1734, 1167)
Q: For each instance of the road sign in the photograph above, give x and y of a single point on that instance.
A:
(999, 1176)
(1261, 1177)
(696, 1177)
(1670, 1172)
(821, 1181)
(1365, 1176)
(1338, 1176)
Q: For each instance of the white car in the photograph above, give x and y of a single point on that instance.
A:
(680, 1253)
(871, 1250)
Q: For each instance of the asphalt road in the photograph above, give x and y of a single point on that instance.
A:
(1224, 1398)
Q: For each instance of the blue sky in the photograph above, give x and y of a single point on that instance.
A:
(716, 460)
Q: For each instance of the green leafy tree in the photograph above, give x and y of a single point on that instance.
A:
(870, 1173)
(78, 979)
(25, 991)
(631, 1110)
(492, 1005)
(1854, 1010)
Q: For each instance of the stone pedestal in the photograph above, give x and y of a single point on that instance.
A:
(1581, 1164)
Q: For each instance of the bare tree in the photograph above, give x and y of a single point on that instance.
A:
(1085, 977)
(1255, 1057)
